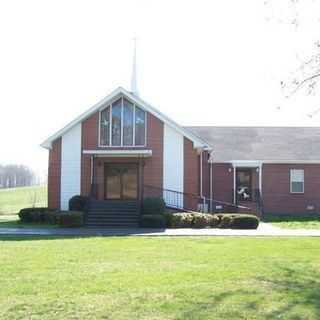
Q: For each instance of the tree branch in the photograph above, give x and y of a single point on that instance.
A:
(304, 81)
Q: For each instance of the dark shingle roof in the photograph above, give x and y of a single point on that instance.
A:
(262, 143)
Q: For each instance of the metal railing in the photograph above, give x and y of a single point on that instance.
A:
(188, 201)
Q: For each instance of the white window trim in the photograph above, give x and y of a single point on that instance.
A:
(303, 182)
(110, 126)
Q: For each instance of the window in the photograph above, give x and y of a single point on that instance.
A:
(116, 123)
(127, 123)
(140, 127)
(105, 127)
(122, 124)
(296, 181)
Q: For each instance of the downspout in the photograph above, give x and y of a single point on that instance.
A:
(201, 191)
(211, 186)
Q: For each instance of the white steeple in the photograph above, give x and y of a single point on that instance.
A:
(134, 85)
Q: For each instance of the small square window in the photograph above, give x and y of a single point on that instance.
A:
(296, 181)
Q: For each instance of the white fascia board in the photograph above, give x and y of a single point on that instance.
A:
(119, 153)
(198, 142)
(260, 162)
(48, 142)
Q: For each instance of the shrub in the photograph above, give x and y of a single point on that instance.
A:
(201, 220)
(153, 206)
(181, 220)
(78, 203)
(238, 221)
(214, 221)
(37, 215)
(70, 218)
(225, 220)
(243, 221)
(153, 221)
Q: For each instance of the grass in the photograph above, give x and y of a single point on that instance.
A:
(159, 278)
(294, 222)
(14, 199)
(12, 221)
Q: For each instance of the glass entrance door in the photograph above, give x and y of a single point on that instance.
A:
(121, 181)
(244, 184)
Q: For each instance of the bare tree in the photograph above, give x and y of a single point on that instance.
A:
(16, 176)
(305, 78)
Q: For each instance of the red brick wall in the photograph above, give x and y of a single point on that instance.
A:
(153, 169)
(191, 174)
(205, 175)
(222, 182)
(54, 175)
(191, 168)
(276, 189)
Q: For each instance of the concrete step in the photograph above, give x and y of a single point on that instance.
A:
(113, 210)
(113, 225)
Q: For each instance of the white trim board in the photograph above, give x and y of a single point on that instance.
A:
(119, 153)
(198, 142)
(257, 163)
(70, 165)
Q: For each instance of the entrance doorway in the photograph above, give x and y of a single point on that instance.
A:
(244, 184)
(121, 181)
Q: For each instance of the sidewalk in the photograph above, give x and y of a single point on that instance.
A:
(264, 230)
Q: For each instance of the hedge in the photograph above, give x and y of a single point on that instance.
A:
(37, 215)
(153, 206)
(206, 220)
(70, 218)
(192, 220)
(153, 221)
(245, 222)
(78, 203)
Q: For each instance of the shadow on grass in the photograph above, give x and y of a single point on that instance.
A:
(294, 294)
(70, 233)
(291, 218)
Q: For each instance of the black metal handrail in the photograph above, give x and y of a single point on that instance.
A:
(188, 201)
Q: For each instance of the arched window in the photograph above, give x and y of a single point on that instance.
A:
(122, 124)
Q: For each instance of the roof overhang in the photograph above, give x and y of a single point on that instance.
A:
(197, 141)
(257, 163)
(119, 153)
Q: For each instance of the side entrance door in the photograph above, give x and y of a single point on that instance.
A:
(121, 181)
(244, 184)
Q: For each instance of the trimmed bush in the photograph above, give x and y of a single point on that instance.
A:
(78, 203)
(181, 220)
(192, 220)
(37, 215)
(153, 206)
(70, 218)
(225, 220)
(243, 221)
(153, 221)
(201, 220)
(238, 221)
(206, 220)
(214, 221)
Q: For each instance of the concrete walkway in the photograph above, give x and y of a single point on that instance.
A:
(264, 230)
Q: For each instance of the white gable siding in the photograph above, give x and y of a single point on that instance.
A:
(70, 165)
(173, 166)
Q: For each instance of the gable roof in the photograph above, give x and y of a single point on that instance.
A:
(262, 143)
(198, 142)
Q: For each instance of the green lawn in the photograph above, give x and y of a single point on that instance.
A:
(14, 199)
(160, 278)
(294, 222)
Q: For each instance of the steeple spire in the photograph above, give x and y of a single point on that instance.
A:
(134, 85)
